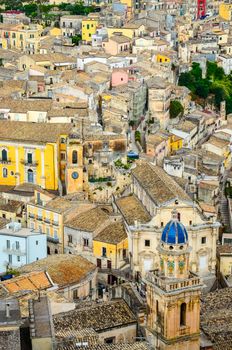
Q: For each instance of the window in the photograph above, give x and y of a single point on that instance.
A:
(37, 242)
(56, 251)
(147, 243)
(105, 145)
(18, 258)
(178, 216)
(75, 294)
(161, 224)
(4, 172)
(110, 340)
(70, 239)
(29, 158)
(86, 242)
(74, 157)
(4, 155)
(4, 216)
(203, 240)
(8, 244)
(87, 26)
(104, 251)
(190, 222)
(32, 225)
(62, 140)
(47, 231)
(17, 245)
(38, 198)
(62, 156)
(55, 234)
(40, 229)
(183, 314)
(10, 258)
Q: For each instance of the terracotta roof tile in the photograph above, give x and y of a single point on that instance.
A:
(64, 269)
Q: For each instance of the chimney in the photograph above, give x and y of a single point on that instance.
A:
(7, 310)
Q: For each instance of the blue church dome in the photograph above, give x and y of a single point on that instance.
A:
(174, 233)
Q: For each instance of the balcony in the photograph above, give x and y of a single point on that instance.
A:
(48, 221)
(55, 223)
(5, 161)
(171, 286)
(40, 218)
(31, 216)
(31, 164)
(13, 251)
(52, 239)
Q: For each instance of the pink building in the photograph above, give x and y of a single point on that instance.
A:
(119, 77)
(117, 44)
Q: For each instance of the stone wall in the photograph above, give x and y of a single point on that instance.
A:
(10, 338)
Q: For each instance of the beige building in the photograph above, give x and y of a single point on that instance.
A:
(113, 321)
(148, 210)
(159, 94)
(74, 275)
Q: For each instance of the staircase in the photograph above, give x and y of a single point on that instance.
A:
(224, 211)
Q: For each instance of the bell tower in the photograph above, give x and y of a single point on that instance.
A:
(74, 175)
(173, 293)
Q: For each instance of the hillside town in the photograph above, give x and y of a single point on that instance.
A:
(115, 175)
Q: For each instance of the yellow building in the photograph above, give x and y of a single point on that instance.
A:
(130, 8)
(89, 27)
(225, 11)
(31, 153)
(174, 143)
(25, 38)
(162, 58)
(110, 246)
(55, 31)
(47, 215)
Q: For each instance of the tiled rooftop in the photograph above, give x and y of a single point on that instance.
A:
(158, 184)
(39, 133)
(98, 316)
(132, 209)
(122, 346)
(216, 318)
(89, 220)
(64, 269)
(31, 281)
(113, 233)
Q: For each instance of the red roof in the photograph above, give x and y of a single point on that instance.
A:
(13, 12)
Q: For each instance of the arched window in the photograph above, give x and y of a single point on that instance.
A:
(4, 155)
(183, 314)
(56, 251)
(30, 176)
(74, 157)
(4, 172)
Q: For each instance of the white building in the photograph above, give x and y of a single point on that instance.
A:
(20, 246)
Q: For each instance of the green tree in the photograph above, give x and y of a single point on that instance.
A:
(219, 95)
(76, 39)
(214, 72)
(186, 79)
(196, 71)
(176, 109)
(202, 88)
